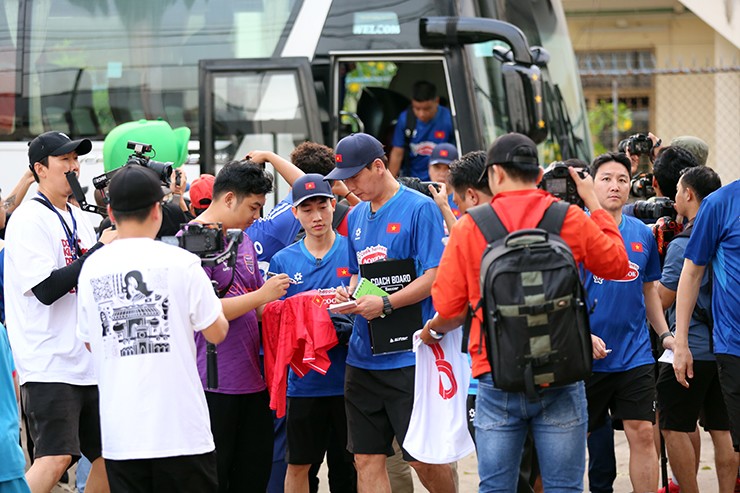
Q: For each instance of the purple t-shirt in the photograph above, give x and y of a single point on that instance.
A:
(238, 355)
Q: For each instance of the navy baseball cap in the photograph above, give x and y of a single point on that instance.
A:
(55, 144)
(443, 153)
(134, 187)
(353, 153)
(310, 185)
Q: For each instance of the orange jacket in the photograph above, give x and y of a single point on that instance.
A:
(595, 242)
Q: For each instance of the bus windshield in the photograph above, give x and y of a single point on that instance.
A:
(93, 64)
(543, 22)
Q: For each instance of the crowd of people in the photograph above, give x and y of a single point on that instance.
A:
(170, 371)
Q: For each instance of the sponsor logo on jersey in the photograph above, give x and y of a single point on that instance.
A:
(249, 262)
(422, 148)
(632, 275)
(372, 254)
(393, 228)
(358, 233)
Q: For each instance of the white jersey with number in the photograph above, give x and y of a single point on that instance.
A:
(440, 395)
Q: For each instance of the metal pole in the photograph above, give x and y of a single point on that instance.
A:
(615, 114)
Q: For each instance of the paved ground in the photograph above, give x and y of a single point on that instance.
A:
(468, 472)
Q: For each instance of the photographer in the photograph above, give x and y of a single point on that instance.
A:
(680, 407)
(241, 419)
(47, 242)
(140, 301)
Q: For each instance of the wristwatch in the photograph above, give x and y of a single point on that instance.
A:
(387, 307)
(435, 335)
(665, 335)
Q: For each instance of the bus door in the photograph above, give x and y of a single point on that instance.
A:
(250, 104)
(372, 89)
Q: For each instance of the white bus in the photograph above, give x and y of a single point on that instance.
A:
(269, 74)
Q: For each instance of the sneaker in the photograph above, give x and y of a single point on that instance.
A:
(672, 488)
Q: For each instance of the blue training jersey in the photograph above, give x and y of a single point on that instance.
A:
(409, 225)
(307, 273)
(619, 316)
(425, 137)
(716, 239)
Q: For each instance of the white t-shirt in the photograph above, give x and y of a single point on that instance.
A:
(43, 337)
(440, 400)
(140, 302)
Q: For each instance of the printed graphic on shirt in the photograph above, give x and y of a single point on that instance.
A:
(632, 275)
(69, 258)
(133, 312)
(423, 148)
(372, 254)
(447, 381)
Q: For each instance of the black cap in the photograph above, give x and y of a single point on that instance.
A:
(353, 153)
(513, 148)
(134, 187)
(55, 144)
(310, 185)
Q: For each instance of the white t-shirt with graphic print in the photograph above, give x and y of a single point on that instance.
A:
(140, 303)
(43, 338)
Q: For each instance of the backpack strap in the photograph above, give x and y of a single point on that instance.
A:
(340, 212)
(552, 220)
(488, 222)
(408, 133)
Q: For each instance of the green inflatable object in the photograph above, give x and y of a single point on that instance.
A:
(168, 144)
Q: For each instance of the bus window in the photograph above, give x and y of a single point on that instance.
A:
(135, 59)
(8, 69)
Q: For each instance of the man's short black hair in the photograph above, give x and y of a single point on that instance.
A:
(466, 171)
(525, 173)
(242, 178)
(668, 166)
(703, 180)
(424, 91)
(618, 157)
(138, 215)
(312, 157)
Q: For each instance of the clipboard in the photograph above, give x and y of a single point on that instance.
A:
(393, 333)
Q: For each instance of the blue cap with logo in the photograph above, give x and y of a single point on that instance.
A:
(310, 185)
(353, 153)
(443, 153)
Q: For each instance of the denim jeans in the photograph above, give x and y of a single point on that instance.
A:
(558, 421)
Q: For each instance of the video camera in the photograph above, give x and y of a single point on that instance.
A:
(415, 183)
(655, 208)
(163, 170)
(206, 240)
(558, 182)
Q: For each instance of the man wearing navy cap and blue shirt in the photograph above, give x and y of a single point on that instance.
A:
(439, 170)
(46, 243)
(316, 419)
(392, 222)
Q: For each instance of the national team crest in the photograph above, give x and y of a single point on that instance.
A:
(310, 185)
(439, 134)
(343, 272)
(249, 263)
(338, 158)
(637, 246)
(444, 153)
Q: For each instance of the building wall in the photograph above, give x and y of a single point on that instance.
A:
(705, 104)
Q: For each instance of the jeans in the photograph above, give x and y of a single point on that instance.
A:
(83, 471)
(558, 421)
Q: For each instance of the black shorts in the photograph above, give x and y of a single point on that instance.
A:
(627, 395)
(164, 475)
(63, 419)
(680, 408)
(728, 368)
(313, 423)
(379, 404)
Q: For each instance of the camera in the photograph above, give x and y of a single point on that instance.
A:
(206, 240)
(641, 185)
(163, 170)
(415, 183)
(202, 239)
(640, 144)
(558, 182)
(655, 208)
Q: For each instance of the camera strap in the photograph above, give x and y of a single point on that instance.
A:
(71, 234)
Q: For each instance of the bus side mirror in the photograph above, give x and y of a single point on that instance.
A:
(524, 99)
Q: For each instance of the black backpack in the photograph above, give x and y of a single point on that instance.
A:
(535, 319)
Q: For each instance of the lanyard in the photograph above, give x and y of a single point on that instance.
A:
(71, 235)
